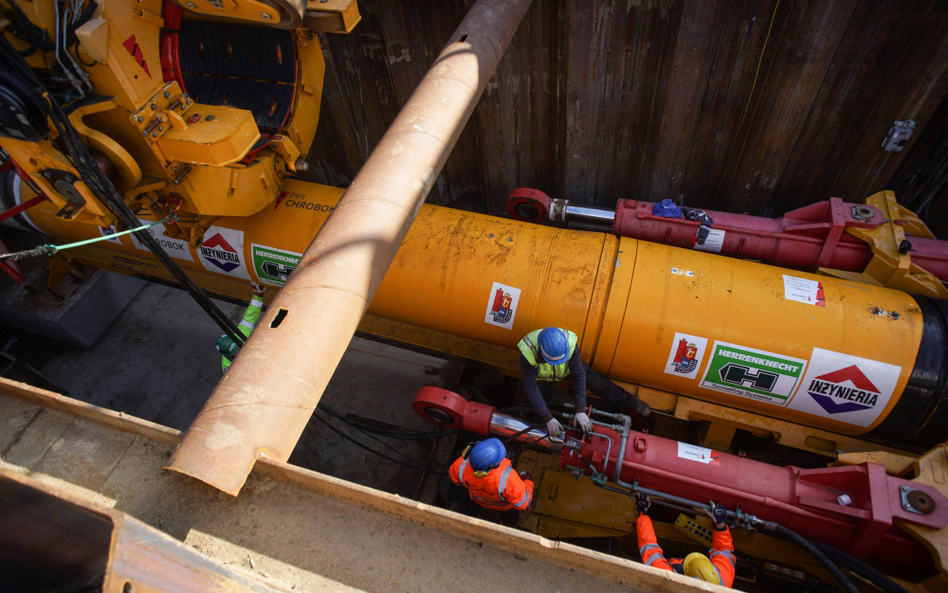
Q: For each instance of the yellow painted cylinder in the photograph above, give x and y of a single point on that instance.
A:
(824, 352)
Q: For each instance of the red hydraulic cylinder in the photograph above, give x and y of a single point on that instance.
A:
(804, 239)
(810, 502)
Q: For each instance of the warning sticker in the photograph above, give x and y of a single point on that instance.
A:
(176, 248)
(713, 242)
(273, 266)
(845, 388)
(502, 305)
(685, 356)
(108, 231)
(803, 290)
(755, 374)
(695, 453)
(223, 252)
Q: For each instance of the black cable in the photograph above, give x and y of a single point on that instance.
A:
(804, 543)
(103, 188)
(408, 435)
(862, 569)
(383, 443)
(373, 451)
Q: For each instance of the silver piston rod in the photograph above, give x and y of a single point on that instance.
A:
(563, 211)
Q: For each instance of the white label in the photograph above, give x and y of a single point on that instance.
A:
(803, 290)
(685, 356)
(223, 252)
(847, 388)
(108, 231)
(713, 242)
(502, 305)
(695, 453)
(176, 248)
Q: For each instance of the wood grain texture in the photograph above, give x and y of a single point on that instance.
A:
(650, 99)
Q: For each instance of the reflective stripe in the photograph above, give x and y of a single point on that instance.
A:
(461, 471)
(524, 500)
(503, 482)
(724, 553)
(255, 302)
(718, 572)
(646, 548)
(248, 324)
(655, 558)
(493, 503)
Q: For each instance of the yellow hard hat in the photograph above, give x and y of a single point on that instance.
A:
(697, 565)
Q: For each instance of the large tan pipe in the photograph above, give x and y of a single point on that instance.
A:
(263, 403)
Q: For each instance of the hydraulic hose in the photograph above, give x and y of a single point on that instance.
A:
(807, 545)
(103, 188)
(862, 569)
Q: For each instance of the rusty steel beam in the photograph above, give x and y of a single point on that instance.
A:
(263, 403)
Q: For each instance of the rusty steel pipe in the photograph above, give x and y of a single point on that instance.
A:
(263, 403)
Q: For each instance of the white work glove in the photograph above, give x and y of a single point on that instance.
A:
(583, 421)
(257, 289)
(554, 428)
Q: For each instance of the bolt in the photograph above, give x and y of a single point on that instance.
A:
(190, 101)
(167, 94)
(266, 16)
(154, 134)
(161, 128)
(210, 117)
(154, 106)
(139, 119)
(144, 133)
(191, 5)
(301, 165)
(47, 173)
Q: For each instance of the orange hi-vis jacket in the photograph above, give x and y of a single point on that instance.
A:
(500, 490)
(721, 554)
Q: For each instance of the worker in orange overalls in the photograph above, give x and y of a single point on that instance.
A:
(718, 569)
(490, 478)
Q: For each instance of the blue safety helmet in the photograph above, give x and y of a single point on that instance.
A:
(554, 346)
(487, 454)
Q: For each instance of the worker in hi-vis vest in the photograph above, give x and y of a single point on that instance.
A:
(490, 479)
(224, 344)
(551, 354)
(718, 569)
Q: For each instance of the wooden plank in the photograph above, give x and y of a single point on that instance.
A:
(627, 99)
(804, 51)
(735, 54)
(914, 90)
(841, 141)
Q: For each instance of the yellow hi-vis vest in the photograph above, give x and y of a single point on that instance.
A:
(530, 348)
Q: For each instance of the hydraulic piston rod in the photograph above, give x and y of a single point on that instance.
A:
(810, 238)
(808, 501)
(263, 403)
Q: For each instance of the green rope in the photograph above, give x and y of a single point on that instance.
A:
(51, 250)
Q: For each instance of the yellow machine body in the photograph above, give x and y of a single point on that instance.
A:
(209, 160)
(632, 303)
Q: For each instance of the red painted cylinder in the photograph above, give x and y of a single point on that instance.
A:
(804, 239)
(802, 500)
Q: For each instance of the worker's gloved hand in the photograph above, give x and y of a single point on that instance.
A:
(583, 421)
(257, 288)
(525, 476)
(642, 503)
(554, 428)
(718, 514)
